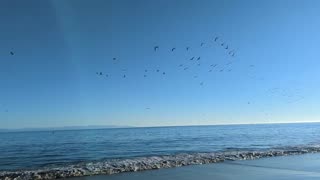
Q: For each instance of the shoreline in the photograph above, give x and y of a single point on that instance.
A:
(295, 167)
(117, 166)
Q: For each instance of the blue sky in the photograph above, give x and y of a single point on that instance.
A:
(60, 45)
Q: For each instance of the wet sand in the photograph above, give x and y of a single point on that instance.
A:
(293, 167)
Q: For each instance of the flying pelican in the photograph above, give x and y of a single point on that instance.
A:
(227, 47)
(215, 39)
(198, 58)
(156, 48)
(12, 53)
(192, 58)
(173, 49)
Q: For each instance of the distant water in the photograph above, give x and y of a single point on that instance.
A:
(33, 150)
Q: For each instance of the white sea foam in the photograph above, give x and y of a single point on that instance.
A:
(147, 163)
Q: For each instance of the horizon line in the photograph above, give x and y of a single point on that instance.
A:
(58, 128)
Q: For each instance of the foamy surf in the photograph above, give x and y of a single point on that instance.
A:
(115, 166)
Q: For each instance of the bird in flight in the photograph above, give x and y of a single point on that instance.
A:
(156, 48)
(215, 39)
(192, 58)
(227, 47)
(187, 48)
(173, 49)
(100, 73)
(114, 58)
(198, 58)
(11, 53)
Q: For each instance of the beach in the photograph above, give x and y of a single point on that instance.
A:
(294, 167)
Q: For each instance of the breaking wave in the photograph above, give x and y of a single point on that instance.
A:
(115, 166)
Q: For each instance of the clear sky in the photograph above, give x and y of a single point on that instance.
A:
(59, 46)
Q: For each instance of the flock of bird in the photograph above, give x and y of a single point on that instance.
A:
(184, 66)
(224, 67)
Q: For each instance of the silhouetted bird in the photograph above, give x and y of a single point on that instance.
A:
(215, 39)
(12, 53)
(222, 44)
(100, 73)
(156, 48)
(198, 58)
(227, 47)
(114, 58)
(192, 58)
(173, 49)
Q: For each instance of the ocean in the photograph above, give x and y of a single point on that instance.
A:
(47, 150)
